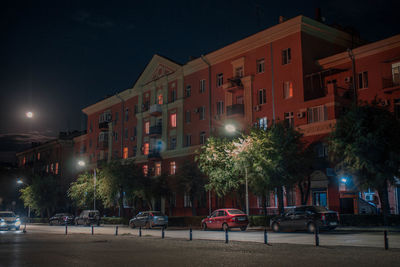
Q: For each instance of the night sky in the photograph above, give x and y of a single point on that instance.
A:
(58, 58)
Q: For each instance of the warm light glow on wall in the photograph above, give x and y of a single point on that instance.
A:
(125, 152)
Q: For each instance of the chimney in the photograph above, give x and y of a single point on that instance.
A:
(318, 14)
(281, 19)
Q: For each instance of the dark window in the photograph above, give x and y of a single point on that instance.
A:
(188, 119)
(363, 80)
(202, 138)
(188, 91)
(260, 65)
(173, 143)
(286, 56)
(173, 96)
(220, 79)
(220, 107)
(262, 96)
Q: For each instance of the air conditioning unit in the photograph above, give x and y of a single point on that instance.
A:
(347, 79)
(257, 108)
(301, 115)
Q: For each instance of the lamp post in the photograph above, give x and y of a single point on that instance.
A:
(230, 128)
(81, 163)
(20, 182)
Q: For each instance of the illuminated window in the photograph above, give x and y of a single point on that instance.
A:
(56, 171)
(160, 99)
(287, 90)
(52, 167)
(38, 156)
(157, 171)
(146, 148)
(173, 120)
(125, 152)
(147, 127)
(172, 169)
(47, 168)
(24, 161)
(145, 170)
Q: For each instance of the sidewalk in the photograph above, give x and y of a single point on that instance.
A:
(346, 228)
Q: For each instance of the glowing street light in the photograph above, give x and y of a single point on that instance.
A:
(343, 180)
(230, 128)
(81, 163)
(29, 114)
(19, 181)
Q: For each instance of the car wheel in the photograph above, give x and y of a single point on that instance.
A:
(225, 227)
(243, 228)
(204, 226)
(275, 227)
(311, 227)
(132, 225)
(87, 223)
(51, 223)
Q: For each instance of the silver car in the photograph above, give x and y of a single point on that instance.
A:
(8, 220)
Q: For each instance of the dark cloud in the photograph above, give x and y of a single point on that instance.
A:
(14, 142)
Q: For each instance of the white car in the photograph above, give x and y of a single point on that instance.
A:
(8, 220)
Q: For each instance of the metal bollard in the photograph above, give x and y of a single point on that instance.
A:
(92, 229)
(265, 237)
(24, 231)
(190, 234)
(386, 240)
(316, 232)
(162, 232)
(66, 229)
(140, 231)
(116, 230)
(226, 236)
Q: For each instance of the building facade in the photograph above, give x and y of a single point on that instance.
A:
(281, 73)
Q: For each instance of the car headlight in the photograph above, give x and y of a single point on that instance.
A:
(17, 223)
(2, 222)
(18, 220)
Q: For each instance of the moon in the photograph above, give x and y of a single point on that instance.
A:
(29, 114)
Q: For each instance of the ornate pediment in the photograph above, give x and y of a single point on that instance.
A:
(160, 71)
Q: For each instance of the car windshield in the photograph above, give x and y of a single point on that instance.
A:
(157, 213)
(235, 212)
(7, 214)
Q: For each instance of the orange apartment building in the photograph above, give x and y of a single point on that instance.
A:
(293, 71)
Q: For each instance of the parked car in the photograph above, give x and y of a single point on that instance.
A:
(306, 218)
(62, 218)
(88, 217)
(225, 219)
(8, 220)
(149, 219)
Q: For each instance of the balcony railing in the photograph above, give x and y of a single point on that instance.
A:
(154, 154)
(233, 84)
(103, 124)
(390, 82)
(236, 109)
(155, 130)
(155, 110)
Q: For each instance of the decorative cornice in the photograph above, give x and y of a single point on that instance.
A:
(362, 51)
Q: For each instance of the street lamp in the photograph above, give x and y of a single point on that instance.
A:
(20, 182)
(230, 128)
(82, 163)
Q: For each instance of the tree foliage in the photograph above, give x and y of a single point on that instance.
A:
(41, 195)
(82, 190)
(365, 143)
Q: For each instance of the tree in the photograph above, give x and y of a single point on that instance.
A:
(41, 195)
(81, 191)
(120, 179)
(190, 181)
(365, 143)
(216, 161)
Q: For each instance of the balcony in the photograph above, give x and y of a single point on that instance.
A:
(390, 84)
(236, 109)
(155, 130)
(145, 106)
(103, 125)
(233, 84)
(154, 155)
(155, 110)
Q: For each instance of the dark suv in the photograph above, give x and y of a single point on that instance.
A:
(88, 217)
(306, 218)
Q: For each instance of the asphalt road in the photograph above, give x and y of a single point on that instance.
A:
(39, 247)
(332, 238)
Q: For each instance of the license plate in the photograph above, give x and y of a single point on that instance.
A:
(241, 219)
(161, 219)
(333, 223)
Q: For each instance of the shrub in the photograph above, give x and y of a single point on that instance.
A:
(260, 220)
(185, 221)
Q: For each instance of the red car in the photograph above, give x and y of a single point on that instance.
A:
(225, 219)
